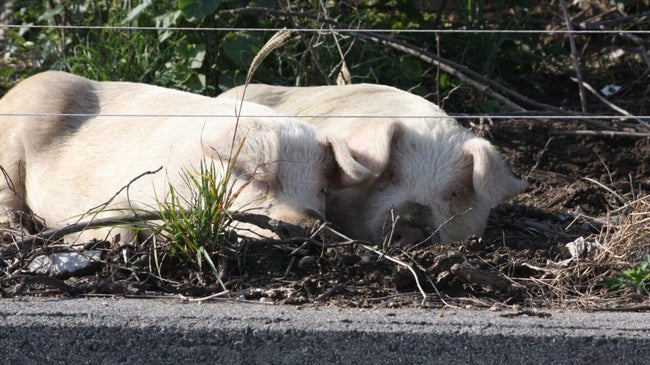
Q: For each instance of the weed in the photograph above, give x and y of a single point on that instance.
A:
(637, 278)
(196, 229)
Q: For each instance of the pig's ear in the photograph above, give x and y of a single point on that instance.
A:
(341, 169)
(253, 154)
(492, 180)
(371, 145)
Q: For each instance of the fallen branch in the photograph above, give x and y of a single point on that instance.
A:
(602, 25)
(600, 133)
(26, 280)
(282, 229)
(445, 65)
(574, 56)
(610, 104)
(466, 75)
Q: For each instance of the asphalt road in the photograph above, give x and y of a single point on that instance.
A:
(156, 331)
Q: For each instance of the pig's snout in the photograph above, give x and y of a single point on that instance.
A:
(299, 223)
(312, 217)
(411, 223)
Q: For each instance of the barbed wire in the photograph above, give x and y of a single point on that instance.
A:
(318, 30)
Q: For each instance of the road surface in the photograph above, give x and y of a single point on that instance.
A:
(168, 331)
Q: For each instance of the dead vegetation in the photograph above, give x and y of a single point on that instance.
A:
(622, 244)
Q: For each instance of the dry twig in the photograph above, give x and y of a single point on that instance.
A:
(600, 133)
(282, 229)
(611, 105)
(574, 55)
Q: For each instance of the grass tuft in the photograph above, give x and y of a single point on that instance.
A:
(196, 230)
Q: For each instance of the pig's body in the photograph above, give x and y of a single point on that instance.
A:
(64, 165)
(439, 178)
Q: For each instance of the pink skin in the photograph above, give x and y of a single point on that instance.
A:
(435, 177)
(65, 165)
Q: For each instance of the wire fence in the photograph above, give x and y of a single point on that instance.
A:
(532, 115)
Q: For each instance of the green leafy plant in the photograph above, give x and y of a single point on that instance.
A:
(638, 278)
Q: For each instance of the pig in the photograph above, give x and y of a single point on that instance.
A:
(433, 181)
(69, 144)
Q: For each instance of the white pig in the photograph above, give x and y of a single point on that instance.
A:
(69, 144)
(433, 180)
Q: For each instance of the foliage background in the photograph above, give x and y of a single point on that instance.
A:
(209, 51)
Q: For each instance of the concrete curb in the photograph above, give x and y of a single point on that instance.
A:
(138, 331)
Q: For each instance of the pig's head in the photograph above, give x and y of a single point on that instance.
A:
(284, 169)
(432, 182)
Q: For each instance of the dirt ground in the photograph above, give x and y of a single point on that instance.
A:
(516, 263)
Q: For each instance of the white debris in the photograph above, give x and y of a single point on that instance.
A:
(64, 262)
(615, 54)
(610, 90)
(578, 249)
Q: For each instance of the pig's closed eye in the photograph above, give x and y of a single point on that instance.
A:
(459, 198)
(456, 193)
(260, 187)
(266, 187)
(390, 176)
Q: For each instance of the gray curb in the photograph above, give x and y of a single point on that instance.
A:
(136, 331)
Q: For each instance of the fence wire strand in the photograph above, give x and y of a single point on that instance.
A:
(325, 116)
(324, 30)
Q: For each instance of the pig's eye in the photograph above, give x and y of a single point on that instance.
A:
(454, 195)
(459, 199)
(391, 176)
(322, 192)
(267, 189)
